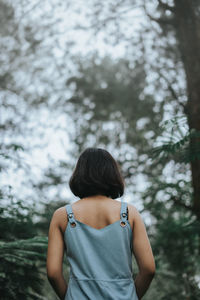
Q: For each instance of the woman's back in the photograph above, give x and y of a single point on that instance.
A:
(98, 212)
(98, 240)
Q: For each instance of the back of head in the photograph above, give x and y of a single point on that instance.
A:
(96, 173)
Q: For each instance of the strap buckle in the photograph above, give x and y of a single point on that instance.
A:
(71, 219)
(123, 224)
(70, 216)
(124, 215)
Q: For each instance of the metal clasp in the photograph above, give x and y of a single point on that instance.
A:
(123, 224)
(73, 224)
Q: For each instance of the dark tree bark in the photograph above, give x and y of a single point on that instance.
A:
(187, 27)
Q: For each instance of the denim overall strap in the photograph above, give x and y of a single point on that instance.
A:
(124, 212)
(70, 214)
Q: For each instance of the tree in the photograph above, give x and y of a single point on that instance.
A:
(110, 108)
(183, 19)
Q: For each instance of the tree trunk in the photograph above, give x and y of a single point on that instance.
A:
(187, 26)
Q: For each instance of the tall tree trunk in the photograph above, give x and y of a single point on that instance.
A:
(187, 26)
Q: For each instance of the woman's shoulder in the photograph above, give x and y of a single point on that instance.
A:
(60, 217)
(133, 213)
(132, 208)
(59, 212)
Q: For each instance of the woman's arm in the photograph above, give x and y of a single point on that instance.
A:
(144, 256)
(55, 255)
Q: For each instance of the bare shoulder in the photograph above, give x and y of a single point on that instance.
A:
(59, 218)
(59, 212)
(132, 210)
(134, 214)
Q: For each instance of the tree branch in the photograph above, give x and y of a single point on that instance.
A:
(166, 6)
(173, 93)
(161, 20)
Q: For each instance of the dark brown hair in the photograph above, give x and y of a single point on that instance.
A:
(96, 173)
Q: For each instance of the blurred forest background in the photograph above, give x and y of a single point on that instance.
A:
(121, 75)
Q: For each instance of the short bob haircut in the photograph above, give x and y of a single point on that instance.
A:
(96, 173)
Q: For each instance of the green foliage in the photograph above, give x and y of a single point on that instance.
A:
(108, 100)
(177, 142)
(16, 221)
(20, 273)
(46, 214)
(110, 108)
(176, 248)
(175, 228)
(22, 253)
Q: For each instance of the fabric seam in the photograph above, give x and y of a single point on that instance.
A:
(93, 279)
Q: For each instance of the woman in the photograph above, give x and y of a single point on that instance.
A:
(99, 235)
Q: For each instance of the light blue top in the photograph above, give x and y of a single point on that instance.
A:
(100, 259)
